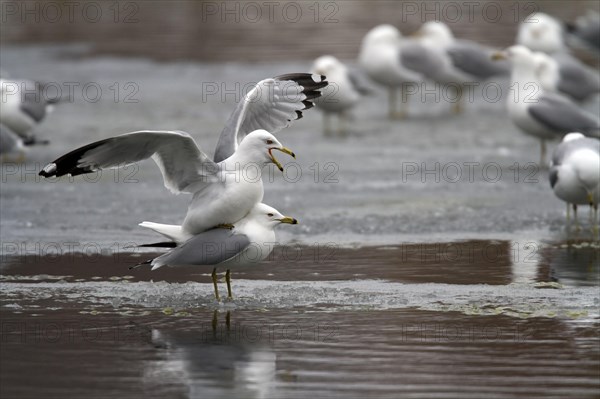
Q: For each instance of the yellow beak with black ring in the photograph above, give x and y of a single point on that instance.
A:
(285, 151)
(499, 55)
(289, 220)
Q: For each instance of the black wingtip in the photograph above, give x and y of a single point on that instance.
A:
(167, 244)
(148, 262)
(299, 113)
(307, 105)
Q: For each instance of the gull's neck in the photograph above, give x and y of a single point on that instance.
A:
(243, 161)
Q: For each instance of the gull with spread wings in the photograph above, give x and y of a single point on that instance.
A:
(222, 193)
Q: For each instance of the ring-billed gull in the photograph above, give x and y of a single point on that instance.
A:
(249, 242)
(537, 112)
(587, 29)
(223, 192)
(343, 93)
(440, 57)
(23, 106)
(575, 172)
(380, 57)
(541, 32)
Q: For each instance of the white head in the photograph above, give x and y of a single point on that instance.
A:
(572, 136)
(268, 216)
(327, 65)
(518, 55)
(259, 146)
(382, 35)
(541, 32)
(437, 31)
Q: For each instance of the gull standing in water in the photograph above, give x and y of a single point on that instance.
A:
(222, 191)
(541, 32)
(381, 58)
(442, 58)
(535, 111)
(342, 94)
(575, 173)
(249, 242)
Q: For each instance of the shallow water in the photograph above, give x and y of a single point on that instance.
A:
(415, 323)
(431, 260)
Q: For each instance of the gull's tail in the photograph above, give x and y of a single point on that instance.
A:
(172, 232)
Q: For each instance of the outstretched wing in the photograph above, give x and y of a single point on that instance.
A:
(271, 105)
(563, 116)
(185, 168)
(208, 248)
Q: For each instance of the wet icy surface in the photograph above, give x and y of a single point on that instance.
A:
(431, 313)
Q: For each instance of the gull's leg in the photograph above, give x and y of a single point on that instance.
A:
(577, 227)
(394, 113)
(457, 109)
(228, 281)
(227, 226)
(543, 154)
(214, 280)
(228, 320)
(568, 214)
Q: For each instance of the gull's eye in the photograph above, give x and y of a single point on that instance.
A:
(270, 215)
(269, 141)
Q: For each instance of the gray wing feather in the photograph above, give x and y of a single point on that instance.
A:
(418, 58)
(476, 60)
(563, 116)
(576, 79)
(271, 105)
(208, 248)
(359, 82)
(185, 168)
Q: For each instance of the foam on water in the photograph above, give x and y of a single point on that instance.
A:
(517, 300)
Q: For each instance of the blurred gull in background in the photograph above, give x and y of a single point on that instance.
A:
(575, 173)
(446, 60)
(537, 112)
(586, 30)
(541, 32)
(343, 93)
(380, 57)
(23, 106)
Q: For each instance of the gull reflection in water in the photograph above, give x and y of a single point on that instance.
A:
(210, 365)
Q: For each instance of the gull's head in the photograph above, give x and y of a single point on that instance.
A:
(437, 31)
(260, 144)
(517, 55)
(572, 136)
(269, 217)
(327, 65)
(382, 35)
(541, 32)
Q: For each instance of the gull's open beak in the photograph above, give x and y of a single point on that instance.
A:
(499, 55)
(284, 150)
(288, 220)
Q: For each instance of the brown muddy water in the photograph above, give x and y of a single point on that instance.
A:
(451, 320)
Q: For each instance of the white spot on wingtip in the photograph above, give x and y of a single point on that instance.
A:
(50, 168)
(317, 78)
